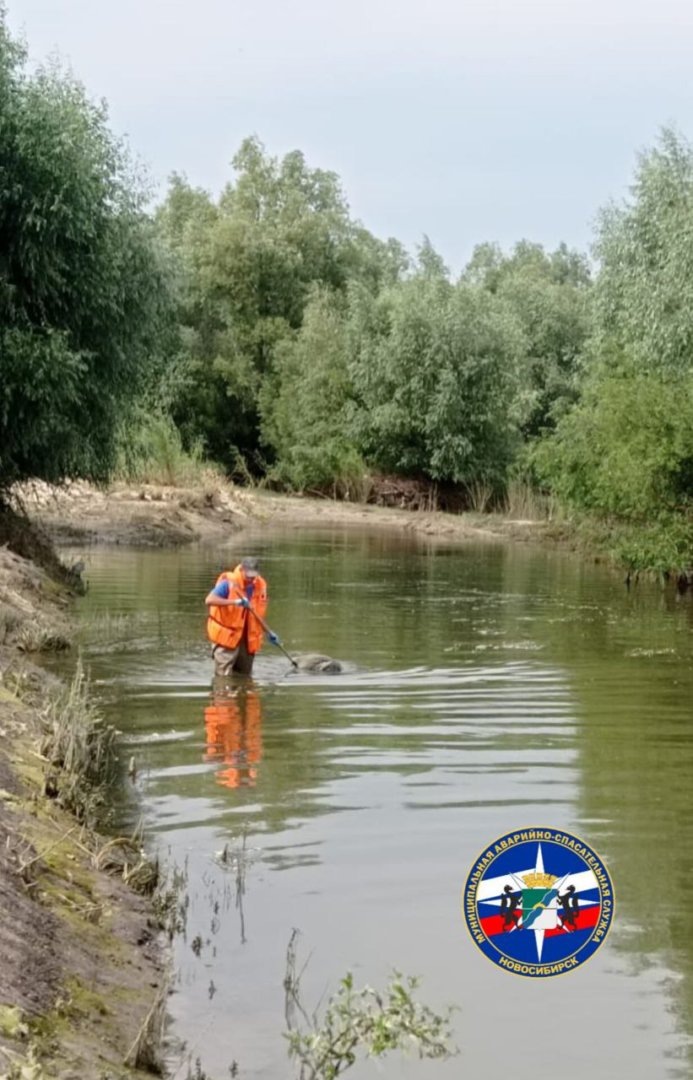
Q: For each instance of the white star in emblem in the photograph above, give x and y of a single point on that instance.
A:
(548, 918)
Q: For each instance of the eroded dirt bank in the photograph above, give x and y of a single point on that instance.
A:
(143, 515)
(148, 515)
(82, 982)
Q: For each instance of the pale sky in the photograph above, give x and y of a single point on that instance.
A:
(467, 120)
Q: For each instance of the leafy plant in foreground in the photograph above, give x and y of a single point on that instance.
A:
(365, 1019)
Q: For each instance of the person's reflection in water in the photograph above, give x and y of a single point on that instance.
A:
(233, 726)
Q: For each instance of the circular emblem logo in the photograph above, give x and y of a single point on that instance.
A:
(538, 902)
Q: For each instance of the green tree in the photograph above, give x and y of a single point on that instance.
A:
(644, 292)
(249, 264)
(550, 295)
(626, 448)
(306, 405)
(83, 293)
(435, 374)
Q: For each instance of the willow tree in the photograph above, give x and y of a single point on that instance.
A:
(306, 406)
(550, 294)
(645, 246)
(83, 296)
(626, 449)
(436, 375)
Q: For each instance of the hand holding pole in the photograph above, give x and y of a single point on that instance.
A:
(273, 638)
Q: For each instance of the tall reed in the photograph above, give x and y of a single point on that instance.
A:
(80, 750)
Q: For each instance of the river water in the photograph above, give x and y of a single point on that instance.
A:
(489, 687)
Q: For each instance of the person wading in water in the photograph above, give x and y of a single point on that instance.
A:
(236, 635)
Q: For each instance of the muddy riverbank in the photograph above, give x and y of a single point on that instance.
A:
(143, 515)
(82, 979)
(297, 511)
(155, 516)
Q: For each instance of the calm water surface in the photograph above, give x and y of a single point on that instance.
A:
(489, 687)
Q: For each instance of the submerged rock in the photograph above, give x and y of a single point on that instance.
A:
(318, 663)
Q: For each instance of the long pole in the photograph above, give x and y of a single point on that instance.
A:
(265, 627)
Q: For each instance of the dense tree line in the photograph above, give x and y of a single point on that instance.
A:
(316, 352)
(354, 357)
(280, 337)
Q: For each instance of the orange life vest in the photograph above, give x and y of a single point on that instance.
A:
(226, 623)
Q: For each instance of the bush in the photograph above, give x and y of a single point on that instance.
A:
(626, 449)
(664, 547)
(362, 1020)
(150, 451)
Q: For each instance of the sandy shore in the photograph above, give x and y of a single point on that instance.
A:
(296, 511)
